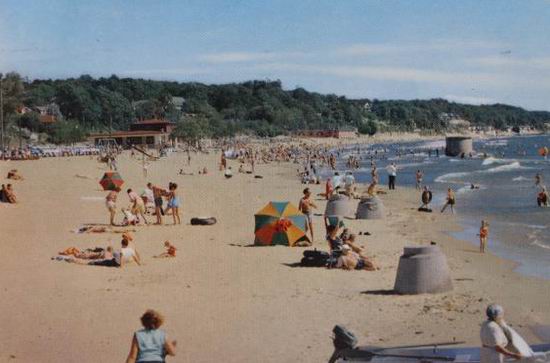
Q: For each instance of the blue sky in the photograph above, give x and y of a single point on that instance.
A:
(467, 51)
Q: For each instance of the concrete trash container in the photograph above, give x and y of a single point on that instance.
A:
(423, 269)
(339, 205)
(370, 208)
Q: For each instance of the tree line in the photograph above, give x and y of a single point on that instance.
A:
(263, 108)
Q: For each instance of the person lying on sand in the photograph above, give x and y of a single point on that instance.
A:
(350, 260)
(14, 175)
(170, 250)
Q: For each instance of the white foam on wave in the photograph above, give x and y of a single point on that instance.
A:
(492, 160)
(520, 178)
(459, 177)
(438, 144)
(508, 167)
(537, 243)
(497, 142)
(450, 177)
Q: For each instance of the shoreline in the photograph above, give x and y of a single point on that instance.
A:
(223, 299)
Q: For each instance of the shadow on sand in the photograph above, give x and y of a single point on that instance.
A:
(380, 292)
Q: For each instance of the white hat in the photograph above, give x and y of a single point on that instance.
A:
(346, 248)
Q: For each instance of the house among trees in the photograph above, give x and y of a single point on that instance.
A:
(47, 114)
(151, 133)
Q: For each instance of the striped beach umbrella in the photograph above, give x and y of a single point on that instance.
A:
(111, 181)
(279, 223)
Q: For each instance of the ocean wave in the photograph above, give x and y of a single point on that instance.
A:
(459, 177)
(492, 160)
(452, 177)
(509, 167)
(520, 178)
(540, 244)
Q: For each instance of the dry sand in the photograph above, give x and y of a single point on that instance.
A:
(223, 300)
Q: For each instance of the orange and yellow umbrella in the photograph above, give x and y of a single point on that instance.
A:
(279, 223)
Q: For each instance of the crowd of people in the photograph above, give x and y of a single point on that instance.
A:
(151, 201)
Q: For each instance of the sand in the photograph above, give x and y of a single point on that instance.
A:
(224, 300)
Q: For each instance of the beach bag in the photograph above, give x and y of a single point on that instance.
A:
(203, 221)
(314, 258)
(343, 338)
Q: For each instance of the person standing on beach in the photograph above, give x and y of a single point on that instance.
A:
(329, 188)
(392, 174)
(173, 202)
(157, 195)
(110, 203)
(150, 344)
(419, 176)
(483, 235)
(305, 206)
(450, 201)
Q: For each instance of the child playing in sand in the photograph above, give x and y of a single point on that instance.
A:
(170, 250)
(483, 235)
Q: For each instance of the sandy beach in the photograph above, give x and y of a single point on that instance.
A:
(223, 299)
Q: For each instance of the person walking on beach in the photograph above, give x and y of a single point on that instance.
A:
(419, 176)
(110, 203)
(494, 337)
(450, 201)
(392, 174)
(305, 206)
(483, 235)
(150, 344)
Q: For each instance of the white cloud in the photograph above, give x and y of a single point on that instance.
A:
(436, 46)
(506, 61)
(472, 100)
(391, 73)
(180, 71)
(241, 57)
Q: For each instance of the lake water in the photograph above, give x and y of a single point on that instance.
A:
(506, 195)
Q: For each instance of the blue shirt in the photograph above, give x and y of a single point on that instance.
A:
(151, 345)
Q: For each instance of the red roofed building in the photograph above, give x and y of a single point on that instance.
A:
(153, 132)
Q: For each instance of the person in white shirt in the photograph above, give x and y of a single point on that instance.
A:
(126, 254)
(392, 173)
(493, 337)
(349, 184)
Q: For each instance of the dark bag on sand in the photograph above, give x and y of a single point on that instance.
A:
(203, 221)
(314, 258)
(343, 338)
(427, 210)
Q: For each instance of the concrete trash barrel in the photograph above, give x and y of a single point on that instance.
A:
(339, 205)
(421, 270)
(458, 145)
(370, 208)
